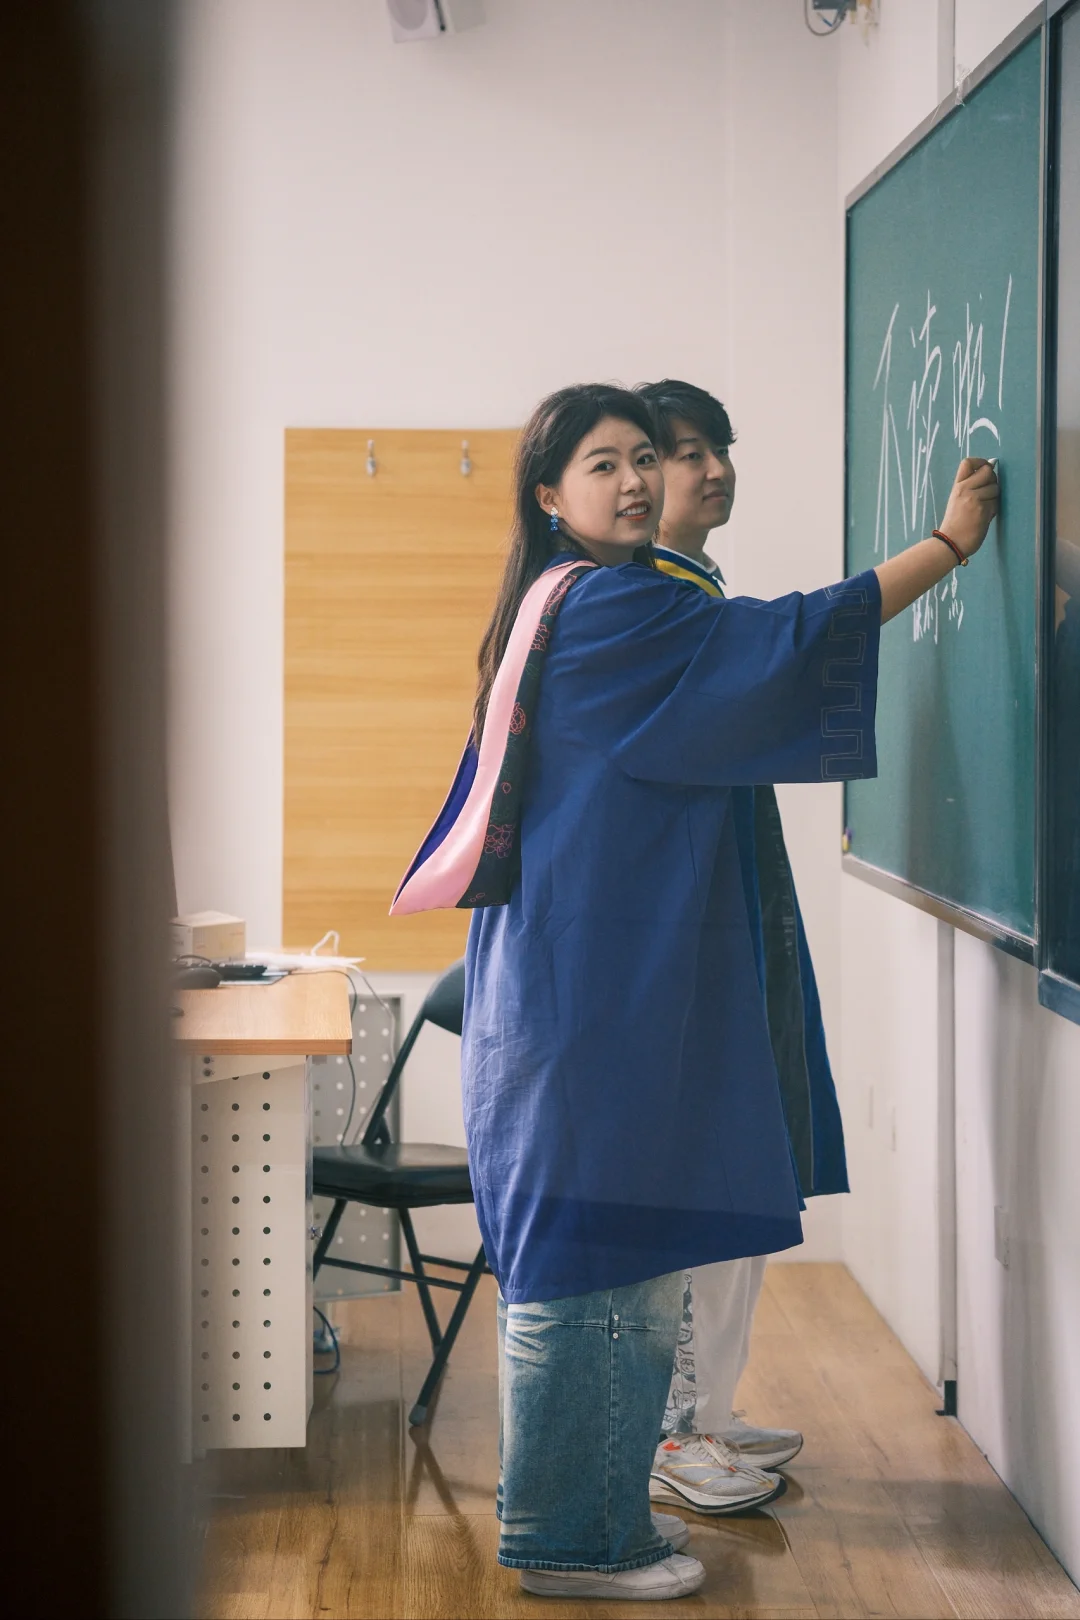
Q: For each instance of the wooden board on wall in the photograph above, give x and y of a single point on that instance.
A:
(389, 582)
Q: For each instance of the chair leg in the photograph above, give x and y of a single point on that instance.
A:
(418, 1414)
(328, 1234)
(432, 1320)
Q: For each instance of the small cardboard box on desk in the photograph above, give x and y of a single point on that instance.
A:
(212, 934)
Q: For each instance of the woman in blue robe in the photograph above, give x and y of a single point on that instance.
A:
(621, 1099)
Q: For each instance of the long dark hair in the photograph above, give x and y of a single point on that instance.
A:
(548, 441)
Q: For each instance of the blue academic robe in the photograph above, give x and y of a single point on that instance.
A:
(786, 972)
(622, 1106)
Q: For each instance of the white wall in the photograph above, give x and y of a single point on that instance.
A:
(1017, 1066)
(981, 25)
(436, 234)
(888, 82)
(785, 355)
(889, 1060)
(1018, 1113)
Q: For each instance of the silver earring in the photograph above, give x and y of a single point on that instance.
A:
(554, 519)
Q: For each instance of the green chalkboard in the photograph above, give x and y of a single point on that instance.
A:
(942, 362)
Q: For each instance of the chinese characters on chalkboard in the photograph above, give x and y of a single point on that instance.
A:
(907, 502)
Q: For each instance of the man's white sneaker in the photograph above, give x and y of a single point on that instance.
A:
(672, 1528)
(702, 1472)
(764, 1448)
(673, 1577)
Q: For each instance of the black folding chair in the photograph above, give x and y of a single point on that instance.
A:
(404, 1176)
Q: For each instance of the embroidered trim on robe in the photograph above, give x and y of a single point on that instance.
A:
(472, 855)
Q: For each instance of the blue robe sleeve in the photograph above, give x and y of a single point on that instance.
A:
(684, 688)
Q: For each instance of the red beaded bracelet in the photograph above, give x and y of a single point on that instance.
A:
(952, 545)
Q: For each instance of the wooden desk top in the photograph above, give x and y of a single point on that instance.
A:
(306, 1014)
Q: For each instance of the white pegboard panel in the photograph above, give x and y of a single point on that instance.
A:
(366, 1234)
(250, 1254)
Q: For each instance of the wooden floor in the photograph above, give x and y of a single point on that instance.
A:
(890, 1510)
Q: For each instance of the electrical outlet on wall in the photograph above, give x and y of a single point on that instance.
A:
(1001, 1236)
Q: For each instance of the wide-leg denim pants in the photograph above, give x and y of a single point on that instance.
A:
(582, 1386)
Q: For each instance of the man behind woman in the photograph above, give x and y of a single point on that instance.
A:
(622, 1105)
(722, 1466)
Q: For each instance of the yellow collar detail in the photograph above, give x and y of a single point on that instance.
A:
(676, 572)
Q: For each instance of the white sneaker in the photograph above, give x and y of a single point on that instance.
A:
(702, 1472)
(672, 1528)
(673, 1577)
(764, 1448)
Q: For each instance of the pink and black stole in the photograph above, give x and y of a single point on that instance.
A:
(472, 855)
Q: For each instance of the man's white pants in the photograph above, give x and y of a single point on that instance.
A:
(714, 1344)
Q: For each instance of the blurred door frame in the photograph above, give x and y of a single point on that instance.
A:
(95, 1517)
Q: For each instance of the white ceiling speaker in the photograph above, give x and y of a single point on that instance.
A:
(427, 19)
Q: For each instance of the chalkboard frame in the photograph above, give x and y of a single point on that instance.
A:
(1024, 946)
(1057, 992)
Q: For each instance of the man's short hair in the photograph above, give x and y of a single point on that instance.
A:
(672, 399)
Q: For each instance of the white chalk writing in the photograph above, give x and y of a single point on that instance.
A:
(974, 432)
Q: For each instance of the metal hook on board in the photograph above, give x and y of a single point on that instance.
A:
(371, 465)
(465, 464)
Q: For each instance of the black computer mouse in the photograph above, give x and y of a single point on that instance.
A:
(196, 977)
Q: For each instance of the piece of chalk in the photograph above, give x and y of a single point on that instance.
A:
(993, 462)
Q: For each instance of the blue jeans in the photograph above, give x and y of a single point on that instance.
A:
(582, 1387)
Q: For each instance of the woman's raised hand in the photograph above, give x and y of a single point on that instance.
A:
(972, 505)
